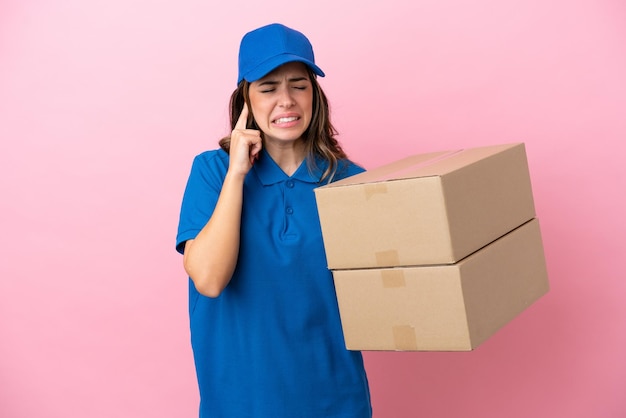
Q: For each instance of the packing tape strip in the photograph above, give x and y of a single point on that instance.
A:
(372, 189)
(387, 258)
(393, 278)
(404, 338)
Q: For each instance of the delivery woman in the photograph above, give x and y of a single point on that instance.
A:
(265, 327)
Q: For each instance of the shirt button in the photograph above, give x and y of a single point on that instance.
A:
(289, 211)
(290, 184)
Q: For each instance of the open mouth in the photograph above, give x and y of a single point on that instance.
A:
(286, 120)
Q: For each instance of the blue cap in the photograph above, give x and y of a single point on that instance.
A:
(267, 48)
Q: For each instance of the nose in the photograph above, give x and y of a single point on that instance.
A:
(285, 99)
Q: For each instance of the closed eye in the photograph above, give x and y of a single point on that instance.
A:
(268, 86)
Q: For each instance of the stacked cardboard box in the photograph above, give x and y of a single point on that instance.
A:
(435, 252)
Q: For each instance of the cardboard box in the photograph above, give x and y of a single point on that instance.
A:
(425, 209)
(451, 307)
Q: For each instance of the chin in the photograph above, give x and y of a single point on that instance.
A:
(285, 138)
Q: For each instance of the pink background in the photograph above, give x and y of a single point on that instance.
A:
(103, 104)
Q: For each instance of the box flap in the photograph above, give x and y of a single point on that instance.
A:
(423, 165)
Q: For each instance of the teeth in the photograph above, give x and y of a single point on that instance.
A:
(285, 120)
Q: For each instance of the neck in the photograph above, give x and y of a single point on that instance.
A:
(288, 156)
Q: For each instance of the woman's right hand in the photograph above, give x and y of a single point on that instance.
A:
(245, 145)
(211, 257)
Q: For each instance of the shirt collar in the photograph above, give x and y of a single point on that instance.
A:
(270, 173)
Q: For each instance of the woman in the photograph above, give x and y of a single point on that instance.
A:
(265, 327)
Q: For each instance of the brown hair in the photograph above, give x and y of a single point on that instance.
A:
(319, 138)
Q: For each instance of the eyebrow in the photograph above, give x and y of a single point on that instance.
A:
(275, 82)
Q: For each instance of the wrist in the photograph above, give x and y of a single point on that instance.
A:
(234, 176)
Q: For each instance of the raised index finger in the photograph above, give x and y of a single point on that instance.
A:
(242, 122)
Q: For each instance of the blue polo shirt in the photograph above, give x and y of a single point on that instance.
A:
(271, 345)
